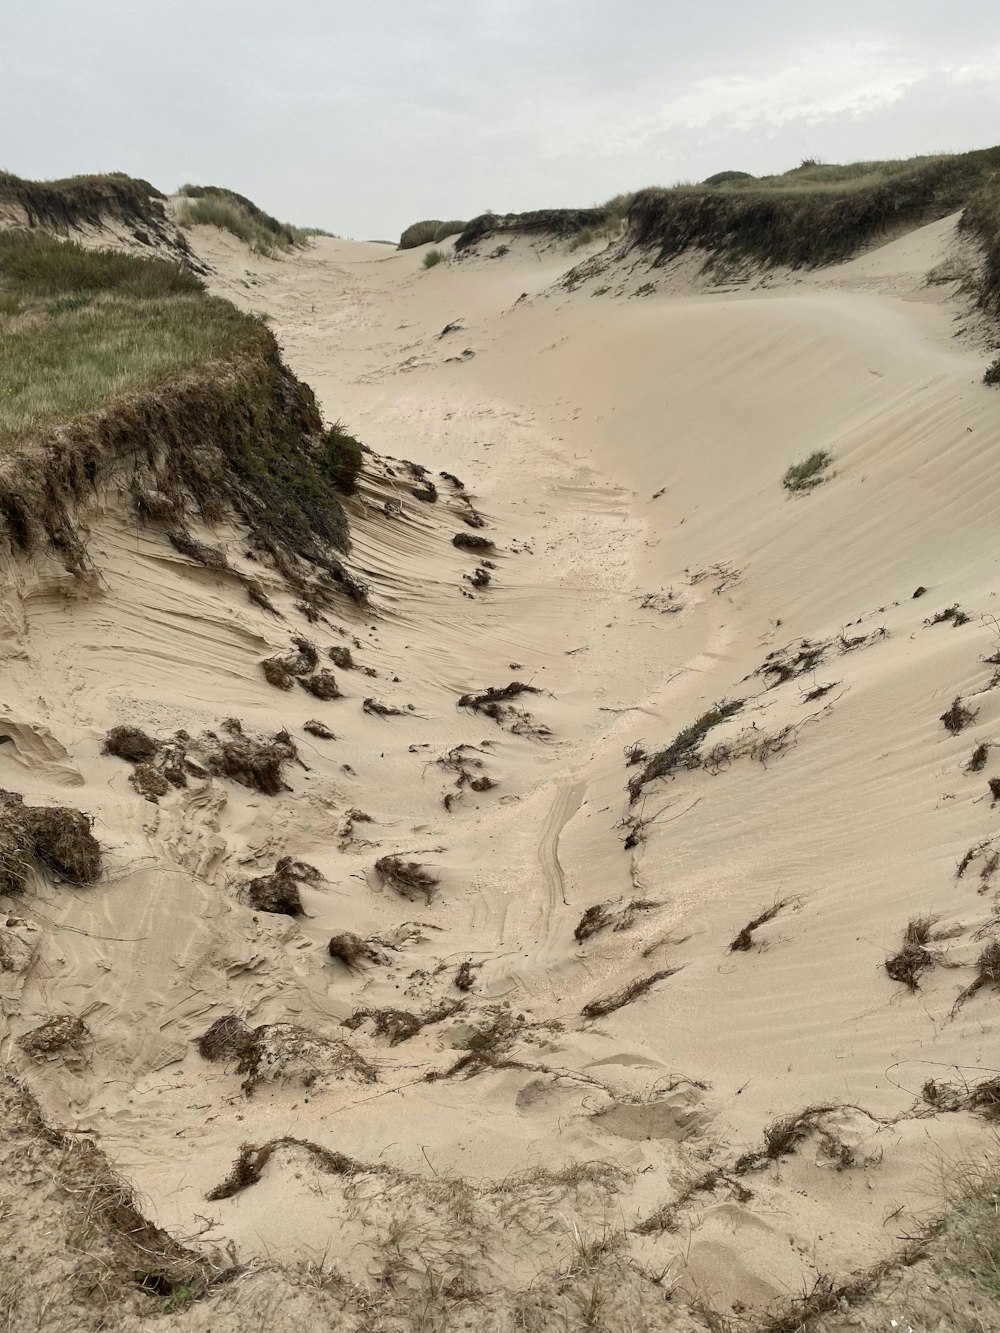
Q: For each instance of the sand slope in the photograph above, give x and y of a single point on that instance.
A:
(626, 453)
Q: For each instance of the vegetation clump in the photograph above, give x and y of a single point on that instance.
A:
(987, 974)
(743, 942)
(131, 744)
(225, 1039)
(914, 957)
(215, 206)
(607, 1004)
(684, 751)
(66, 1032)
(280, 892)
(433, 257)
(406, 877)
(808, 474)
(954, 614)
(610, 916)
(470, 541)
(958, 716)
(102, 350)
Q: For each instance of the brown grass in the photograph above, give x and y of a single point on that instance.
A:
(743, 942)
(406, 877)
(958, 716)
(784, 1135)
(131, 744)
(987, 974)
(914, 957)
(607, 1004)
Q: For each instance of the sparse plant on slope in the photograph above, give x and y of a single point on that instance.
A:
(433, 257)
(808, 474)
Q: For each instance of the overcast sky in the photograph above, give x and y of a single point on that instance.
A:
(362, 117)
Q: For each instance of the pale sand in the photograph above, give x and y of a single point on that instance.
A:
(617, 448)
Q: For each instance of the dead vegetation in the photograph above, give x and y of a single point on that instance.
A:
(225, 1039)
(979, 758)
(399, 1025)
(352, 950)
(65, 1032)
(212, 557)
(131, 744)
(744, 941)
(496, 702)
(668, 1216)
(94, 1256)
(377, 708)
(57, 836)
(464, 763)
(471, 541)
(607, 1004)
(301, 663)
(319, 729)
(408, 878)
(611, 916)
(951, 614)
(987, 974)
(783, 1136)
(982, 1097)
(465, 977)
(958, 716)
(684, 751)
(282, 1053)
(914, 957)
(252, 761)
(280, 892)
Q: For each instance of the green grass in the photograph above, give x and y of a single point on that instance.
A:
(433, 257)
(79, 325)
(111, 363)
(815, 214)
(214, 206)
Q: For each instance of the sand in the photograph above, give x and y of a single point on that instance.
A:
(626, 452)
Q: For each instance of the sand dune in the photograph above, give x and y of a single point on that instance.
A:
(626, 454)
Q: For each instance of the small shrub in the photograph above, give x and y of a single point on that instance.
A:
(433, 257)
(808, 474)
(980, 755)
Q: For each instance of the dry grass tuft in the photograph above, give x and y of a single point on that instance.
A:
(958, 716)
(987, 974)
(351, 949)
(406, 877)
(320, 729)
(66, 1032)
(212, 557)
(684, 751)
(225, 1039)
(914, 957)
(743, 942)
(609, 916)
(607, 1004)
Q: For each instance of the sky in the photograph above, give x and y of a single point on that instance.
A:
(363, 117)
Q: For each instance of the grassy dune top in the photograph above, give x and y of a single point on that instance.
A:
(79, 326)
(215, 206)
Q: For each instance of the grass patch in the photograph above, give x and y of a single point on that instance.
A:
(958, 716)
(819, 213)
(430, 229)
(434, 257)
(214, 206)
(106, 357)
(808, 474)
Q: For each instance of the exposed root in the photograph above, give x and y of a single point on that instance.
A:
(398, 1024)
(784, 1135)
(380, 709)
(212, 557)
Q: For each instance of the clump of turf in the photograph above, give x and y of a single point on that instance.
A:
(280, 891)
(406, 877)
(351, 950)
(67, 1032)
(131, 744)
(914, 957)
(225, 1039)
